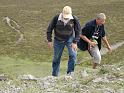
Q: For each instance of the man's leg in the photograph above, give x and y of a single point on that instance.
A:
(94, 65)
(95, 53)
(58, 49)
(72, 58)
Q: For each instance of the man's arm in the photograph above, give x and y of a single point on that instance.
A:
(106, 43)
(50, 28)
(87, 40)
(49, 31)
(77, 29)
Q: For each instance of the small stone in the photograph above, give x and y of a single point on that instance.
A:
(2, 78)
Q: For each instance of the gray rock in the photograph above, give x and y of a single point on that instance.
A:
(27, 77)
(3, 77)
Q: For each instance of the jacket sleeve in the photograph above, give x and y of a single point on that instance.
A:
(77, 29)
(50, 28)
(103, 32)
(88, 31)
(85, 30)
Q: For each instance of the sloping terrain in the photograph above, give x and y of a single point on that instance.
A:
(31, 57)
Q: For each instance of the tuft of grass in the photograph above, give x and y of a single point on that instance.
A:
(103, 71)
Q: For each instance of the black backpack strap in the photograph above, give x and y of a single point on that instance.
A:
(75, 18)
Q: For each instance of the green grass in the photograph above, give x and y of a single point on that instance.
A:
(13, 67)
(115, 57)
(18, 67)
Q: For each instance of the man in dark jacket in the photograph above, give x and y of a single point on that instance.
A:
(92, 34)
(66, 33)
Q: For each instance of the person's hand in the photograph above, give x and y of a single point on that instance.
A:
(109, 48)
(50, 45)
(92, 44)
(74, 46)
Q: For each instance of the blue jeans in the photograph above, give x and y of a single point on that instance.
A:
(58, 49)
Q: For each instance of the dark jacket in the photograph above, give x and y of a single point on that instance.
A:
(62, 33)
(88, 30)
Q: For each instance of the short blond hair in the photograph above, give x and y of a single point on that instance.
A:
(101, 16)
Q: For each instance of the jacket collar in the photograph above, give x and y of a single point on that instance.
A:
(61, 18)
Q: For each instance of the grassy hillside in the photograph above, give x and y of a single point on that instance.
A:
(31, 56)
(34, 15)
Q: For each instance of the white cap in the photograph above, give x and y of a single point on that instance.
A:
(67, 12)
